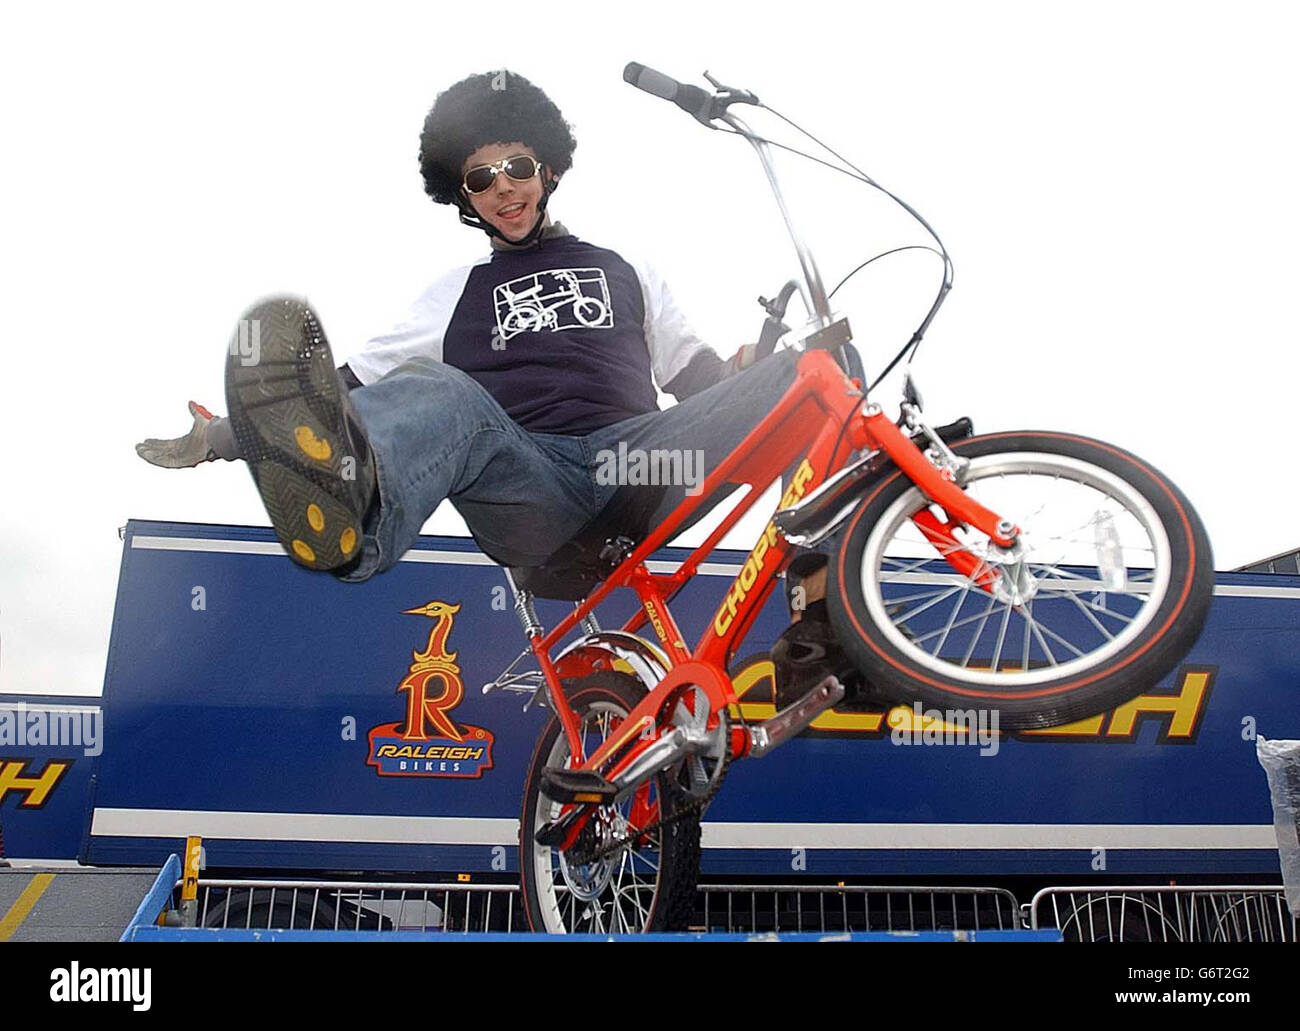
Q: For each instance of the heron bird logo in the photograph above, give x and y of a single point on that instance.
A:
(435, 663)
(430, 742)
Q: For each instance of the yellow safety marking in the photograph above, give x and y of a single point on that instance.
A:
(348, 540)
(23, 905)
(311, 445)
(190, 881)
(316, 517)
(304, 552)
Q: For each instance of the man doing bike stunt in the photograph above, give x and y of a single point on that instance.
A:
(498, 389)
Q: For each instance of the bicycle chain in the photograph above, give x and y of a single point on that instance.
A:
(698, 806)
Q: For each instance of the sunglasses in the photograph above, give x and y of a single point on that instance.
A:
(520, 168)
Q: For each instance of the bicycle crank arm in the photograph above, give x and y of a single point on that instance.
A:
(794, 719)
(584, 788)
(588, 786)
(669, 750)
(824, 510)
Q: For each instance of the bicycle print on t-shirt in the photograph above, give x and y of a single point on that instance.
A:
(554, 299)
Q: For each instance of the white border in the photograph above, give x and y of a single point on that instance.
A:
(471, 558)
(447, 830)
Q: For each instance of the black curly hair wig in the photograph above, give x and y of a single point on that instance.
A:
(491, 107)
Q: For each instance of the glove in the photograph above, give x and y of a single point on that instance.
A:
(181, 452)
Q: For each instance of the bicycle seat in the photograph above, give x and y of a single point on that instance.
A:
(577, 566)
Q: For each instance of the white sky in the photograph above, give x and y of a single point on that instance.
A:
(1116, 183)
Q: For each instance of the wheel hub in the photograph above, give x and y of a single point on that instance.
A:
(588, 879)
(1015, 583)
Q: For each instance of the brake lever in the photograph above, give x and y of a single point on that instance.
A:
(774, 326)
(776, 306)
(728, 95)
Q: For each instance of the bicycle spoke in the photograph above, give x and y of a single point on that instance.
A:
(965, 661)
(640, 854)
(617, 895)
(1002, 634)
(923, 594)
(1027, 617)
(1093, 619)
(1042, 641)
(949, 625)
(913, 567)
(1091, 609)
(1057, 637)
(966, 621)
(1119, 617)
(916, 612)
(1084, 586)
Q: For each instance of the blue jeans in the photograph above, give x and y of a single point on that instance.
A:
(436, 434)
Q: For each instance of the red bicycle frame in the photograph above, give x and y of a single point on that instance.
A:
(825, 408)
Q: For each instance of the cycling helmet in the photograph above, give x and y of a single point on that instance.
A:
(491, 107)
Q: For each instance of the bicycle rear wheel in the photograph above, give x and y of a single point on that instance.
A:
(1107, 590)
(648, 882)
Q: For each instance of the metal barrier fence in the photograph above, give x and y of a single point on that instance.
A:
(728, 908)
(746, 908)
(354, 906)
(1165, 914)
(1218, 913)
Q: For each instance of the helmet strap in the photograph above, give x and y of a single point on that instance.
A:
(470, 217)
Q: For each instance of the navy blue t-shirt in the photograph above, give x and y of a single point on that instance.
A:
(567, 337)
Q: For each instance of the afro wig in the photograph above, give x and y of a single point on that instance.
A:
(492, 107)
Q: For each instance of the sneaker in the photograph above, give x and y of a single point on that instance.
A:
(295, 427)
(805, 654)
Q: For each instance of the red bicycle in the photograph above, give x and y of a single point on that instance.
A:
(1043, 575)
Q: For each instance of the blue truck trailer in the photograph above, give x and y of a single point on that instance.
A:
(264, 709)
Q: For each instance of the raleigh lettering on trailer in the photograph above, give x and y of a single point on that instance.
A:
(1177, 714)
(35, 788)
(433, 689)
(754, 563)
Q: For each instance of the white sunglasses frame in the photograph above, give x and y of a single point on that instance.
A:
(499, 168)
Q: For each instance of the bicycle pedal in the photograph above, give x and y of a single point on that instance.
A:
(552, 834)
(795, 718)
(577, 787)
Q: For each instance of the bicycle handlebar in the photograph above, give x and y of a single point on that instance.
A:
(705, 107)
(696, 102)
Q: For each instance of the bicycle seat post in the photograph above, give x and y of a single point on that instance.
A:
(588, 622)
(524, 608)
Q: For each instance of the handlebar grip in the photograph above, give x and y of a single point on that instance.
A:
(694, 101)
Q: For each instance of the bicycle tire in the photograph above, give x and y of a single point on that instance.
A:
(1154, 615)
(665, 899)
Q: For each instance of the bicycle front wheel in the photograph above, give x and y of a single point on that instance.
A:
(647, 882)
(1107, 589)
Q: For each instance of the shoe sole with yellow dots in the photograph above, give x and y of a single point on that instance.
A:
(295, 428)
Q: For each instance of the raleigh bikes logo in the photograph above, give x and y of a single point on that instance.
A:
(430, 743)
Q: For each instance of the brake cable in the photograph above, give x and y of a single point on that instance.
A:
(914, 342)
